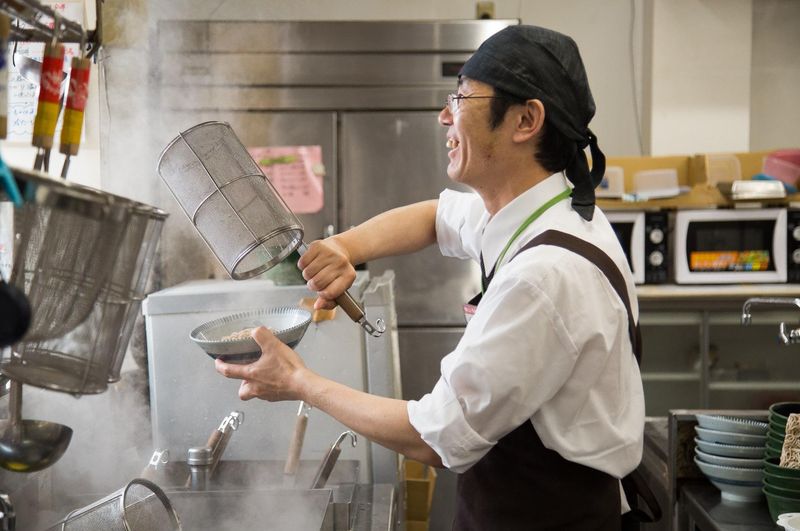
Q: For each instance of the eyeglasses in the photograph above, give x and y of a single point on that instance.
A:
(453, 100)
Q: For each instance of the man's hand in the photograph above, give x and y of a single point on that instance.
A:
(275, 376)
(327, 267)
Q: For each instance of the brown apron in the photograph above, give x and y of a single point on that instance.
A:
(520, 484)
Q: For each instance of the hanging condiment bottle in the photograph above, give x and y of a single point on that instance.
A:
(49, 106)
(77, 95)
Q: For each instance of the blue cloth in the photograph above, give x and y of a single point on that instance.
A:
(9, 184)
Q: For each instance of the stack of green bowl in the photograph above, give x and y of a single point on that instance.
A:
(781, 485)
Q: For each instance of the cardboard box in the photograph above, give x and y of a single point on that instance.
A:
(633, 165)
(705, 166)
(420, 481)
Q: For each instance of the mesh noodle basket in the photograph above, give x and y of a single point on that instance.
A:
(65, 239)
(235, 208)
(88, 357)
(229, 200)
(139, 506)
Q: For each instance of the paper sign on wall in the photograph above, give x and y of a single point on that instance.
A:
(22, 94)
(296, 172)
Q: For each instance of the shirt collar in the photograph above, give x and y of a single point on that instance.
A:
(502, 225)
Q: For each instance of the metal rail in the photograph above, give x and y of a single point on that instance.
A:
(34, 22)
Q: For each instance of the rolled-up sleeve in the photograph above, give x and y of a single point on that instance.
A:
(458, 445)
(515, 355)
(459, 224)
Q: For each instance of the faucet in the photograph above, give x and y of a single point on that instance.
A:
(786, 336)
(328, 462)
(203, 460)
(7, 515)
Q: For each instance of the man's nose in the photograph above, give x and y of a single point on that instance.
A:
(445, 118)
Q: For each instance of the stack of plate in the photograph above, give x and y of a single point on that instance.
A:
(730, 453)
(781, 485)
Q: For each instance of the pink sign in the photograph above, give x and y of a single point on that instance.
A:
(296, 172)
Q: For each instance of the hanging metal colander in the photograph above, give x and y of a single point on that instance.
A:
(66, 238)
(87, 358)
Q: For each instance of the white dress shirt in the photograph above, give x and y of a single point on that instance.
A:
(548, 344)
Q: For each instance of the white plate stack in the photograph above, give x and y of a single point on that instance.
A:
(730, 453)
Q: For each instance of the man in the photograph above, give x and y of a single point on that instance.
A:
(540, 407)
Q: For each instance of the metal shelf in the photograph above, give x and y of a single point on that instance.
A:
(670, 377)
(754, 386)
(34, 22)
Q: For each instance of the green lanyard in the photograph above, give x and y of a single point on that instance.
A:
(533, 217)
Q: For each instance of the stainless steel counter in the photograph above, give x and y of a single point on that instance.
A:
(707, 512)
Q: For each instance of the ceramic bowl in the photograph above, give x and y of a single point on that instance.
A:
(772, 465)
(721, 460)
(730, 473)
(730, 450)
(742, 439)
(789, 521)
(779, 413)
(786, 492)
(775, 438)
(779, 504)
(732, 424)
(782, 481)
(287, 323)
(774, 447)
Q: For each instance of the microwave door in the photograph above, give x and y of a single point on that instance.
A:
(730, 246)
(629, 228)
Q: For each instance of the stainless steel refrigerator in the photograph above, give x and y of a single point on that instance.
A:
(369, 94)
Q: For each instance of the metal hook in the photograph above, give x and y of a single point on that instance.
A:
(159, 457)
(56, 28)
(234, 420)
(343, 436)
(84, 38)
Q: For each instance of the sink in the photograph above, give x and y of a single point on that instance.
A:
(255, 495)
(245, 475)
(267, 510)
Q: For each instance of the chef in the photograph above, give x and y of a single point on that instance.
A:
(540, 407)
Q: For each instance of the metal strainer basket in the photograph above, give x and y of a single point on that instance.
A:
(88, 357)
(139, 506)
(234, 207)
(229, 200)
(65, 239)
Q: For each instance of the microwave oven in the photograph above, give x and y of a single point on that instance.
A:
(737, 246)
(643, 236)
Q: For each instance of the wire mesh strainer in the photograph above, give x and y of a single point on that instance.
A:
(85, 359)
(65, 239)
(234, 206)
(139, 506)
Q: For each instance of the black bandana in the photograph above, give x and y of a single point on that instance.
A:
(536, 63)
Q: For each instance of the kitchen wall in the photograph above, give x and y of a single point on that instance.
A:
(775, 79)
(699, 81)
(601, 29)
(709, 75)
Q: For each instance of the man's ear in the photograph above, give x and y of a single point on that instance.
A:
(529, 120)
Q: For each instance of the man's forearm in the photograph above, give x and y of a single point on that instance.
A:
(398, 231)
(380, 419)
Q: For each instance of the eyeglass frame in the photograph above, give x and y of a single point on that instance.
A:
(453, 99)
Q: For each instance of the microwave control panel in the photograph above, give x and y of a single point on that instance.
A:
(793, 246)
(656, 253)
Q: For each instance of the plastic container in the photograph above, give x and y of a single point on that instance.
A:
(783, 165)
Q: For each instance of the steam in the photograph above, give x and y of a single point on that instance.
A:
(112, 439)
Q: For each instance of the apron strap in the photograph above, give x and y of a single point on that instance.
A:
(604, 264)
(634, 483)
